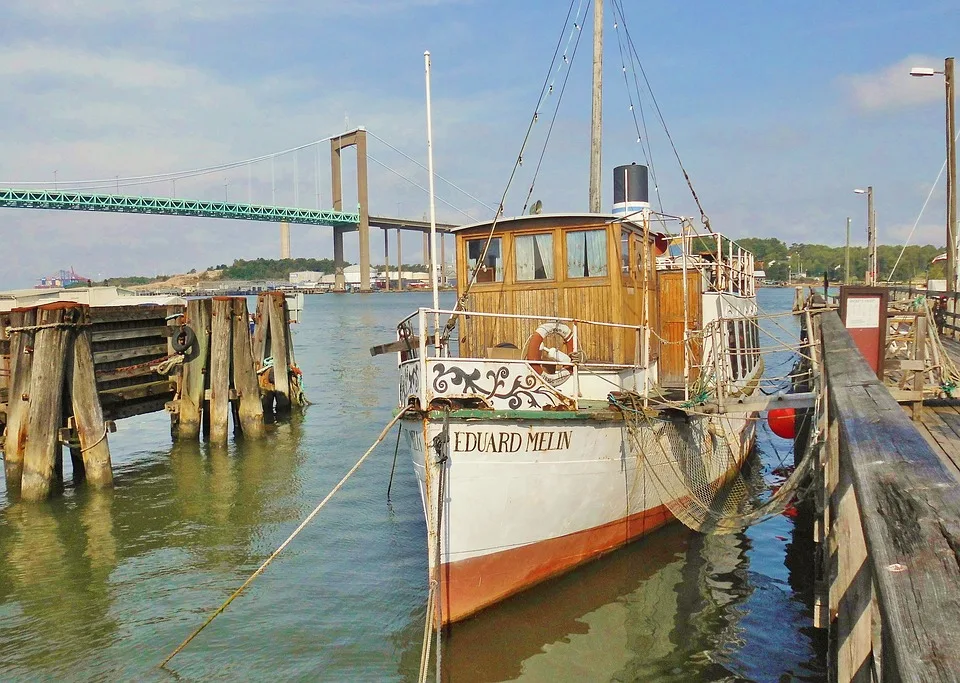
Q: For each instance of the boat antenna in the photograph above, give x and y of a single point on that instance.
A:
(433, 210)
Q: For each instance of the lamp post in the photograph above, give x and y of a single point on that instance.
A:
(871, 277)
(951, 122)
(846, 256)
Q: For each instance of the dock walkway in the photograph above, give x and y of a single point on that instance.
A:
(940, 421)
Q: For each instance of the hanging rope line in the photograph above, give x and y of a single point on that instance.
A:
(290, 538)
(435, 175)
(653, 98)
(553, 119)
(919, 216)
(545, 91)
(418, 186)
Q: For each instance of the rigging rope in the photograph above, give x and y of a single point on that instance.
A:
(546, 89)
(919, 216)
(666, 130)
(290, 538)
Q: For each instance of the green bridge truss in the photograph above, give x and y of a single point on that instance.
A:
(76, 201)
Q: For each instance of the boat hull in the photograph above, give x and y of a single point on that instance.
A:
(527, 499)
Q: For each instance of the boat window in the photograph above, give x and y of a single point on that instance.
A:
(732, 349)
(624, 252)
(587, 253)
(534, 255)
(491, 270)
(744, 355)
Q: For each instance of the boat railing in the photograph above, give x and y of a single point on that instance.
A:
(428, 341)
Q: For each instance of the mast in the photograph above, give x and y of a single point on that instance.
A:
(597, 109)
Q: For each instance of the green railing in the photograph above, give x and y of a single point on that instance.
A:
(77, 201)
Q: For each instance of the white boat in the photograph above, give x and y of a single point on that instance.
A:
(583, 393)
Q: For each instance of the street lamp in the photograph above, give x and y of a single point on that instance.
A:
(947, 73)
(871, 277)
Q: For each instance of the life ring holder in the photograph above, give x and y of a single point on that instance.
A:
(184, 340)
(535, 346)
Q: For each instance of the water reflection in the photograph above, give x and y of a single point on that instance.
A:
(69, 567)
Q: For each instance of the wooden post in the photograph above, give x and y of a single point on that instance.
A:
(261, 323)
(194, 370)
(278, 349)
(220, 355)
(21, 372)
(250, 409)
(87, 411)
(919, 354)
(45, 410)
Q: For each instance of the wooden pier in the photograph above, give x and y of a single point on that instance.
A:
(68, 371)
(888, 522)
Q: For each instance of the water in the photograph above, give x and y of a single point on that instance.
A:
(101, 586)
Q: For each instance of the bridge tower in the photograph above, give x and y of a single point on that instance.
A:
(357, 138)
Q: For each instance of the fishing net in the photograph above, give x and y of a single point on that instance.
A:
(699, 467)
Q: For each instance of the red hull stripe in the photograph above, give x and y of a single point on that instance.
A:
(470, 585)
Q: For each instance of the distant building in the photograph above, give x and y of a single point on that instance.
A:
(305, 278)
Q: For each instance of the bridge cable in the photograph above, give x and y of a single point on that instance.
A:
(418, 186)
(157, 177)
(436, 175)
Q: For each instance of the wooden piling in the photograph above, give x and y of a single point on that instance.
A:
(45, 410)
(88, 421)
(194, 371)
(278, 349)
(21, 372)
(249, 413)
(220, 355)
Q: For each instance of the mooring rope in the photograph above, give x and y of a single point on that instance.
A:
(45, 326)
(283, 545)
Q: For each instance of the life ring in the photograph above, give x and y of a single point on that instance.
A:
(184, 340)
(536, 349)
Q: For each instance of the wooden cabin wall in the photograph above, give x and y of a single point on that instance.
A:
(671, 309)
(614, 298)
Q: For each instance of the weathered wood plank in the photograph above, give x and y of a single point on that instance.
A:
(45, 409)
(158, 350)
(221, 325)
(21, 373)
(946, 440)
(250, 409)
(135, 391)
(135, 333)
(118, 411)
(112, 314)
(277, 346)
(188, 417)
(88, 417)
(909, 503)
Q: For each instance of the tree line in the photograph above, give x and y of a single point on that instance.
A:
(817, 259)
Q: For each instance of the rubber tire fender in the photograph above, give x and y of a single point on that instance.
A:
(184, 340)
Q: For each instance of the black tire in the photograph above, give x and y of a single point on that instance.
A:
(184, 340)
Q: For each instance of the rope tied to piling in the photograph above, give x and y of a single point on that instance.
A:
(288, 540)
(46, 326)
(166, 366)
(97, 442)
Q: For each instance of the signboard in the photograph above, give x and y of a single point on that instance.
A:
(863, 311)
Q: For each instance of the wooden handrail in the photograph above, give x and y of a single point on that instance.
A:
(909, 515)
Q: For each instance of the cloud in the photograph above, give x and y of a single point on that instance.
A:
(893, 87)
(71, 11)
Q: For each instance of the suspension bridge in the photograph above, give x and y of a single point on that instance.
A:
(106, 195)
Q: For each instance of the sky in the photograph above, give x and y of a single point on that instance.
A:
(778, 112)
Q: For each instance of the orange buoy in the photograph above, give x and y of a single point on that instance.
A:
(783, 422)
